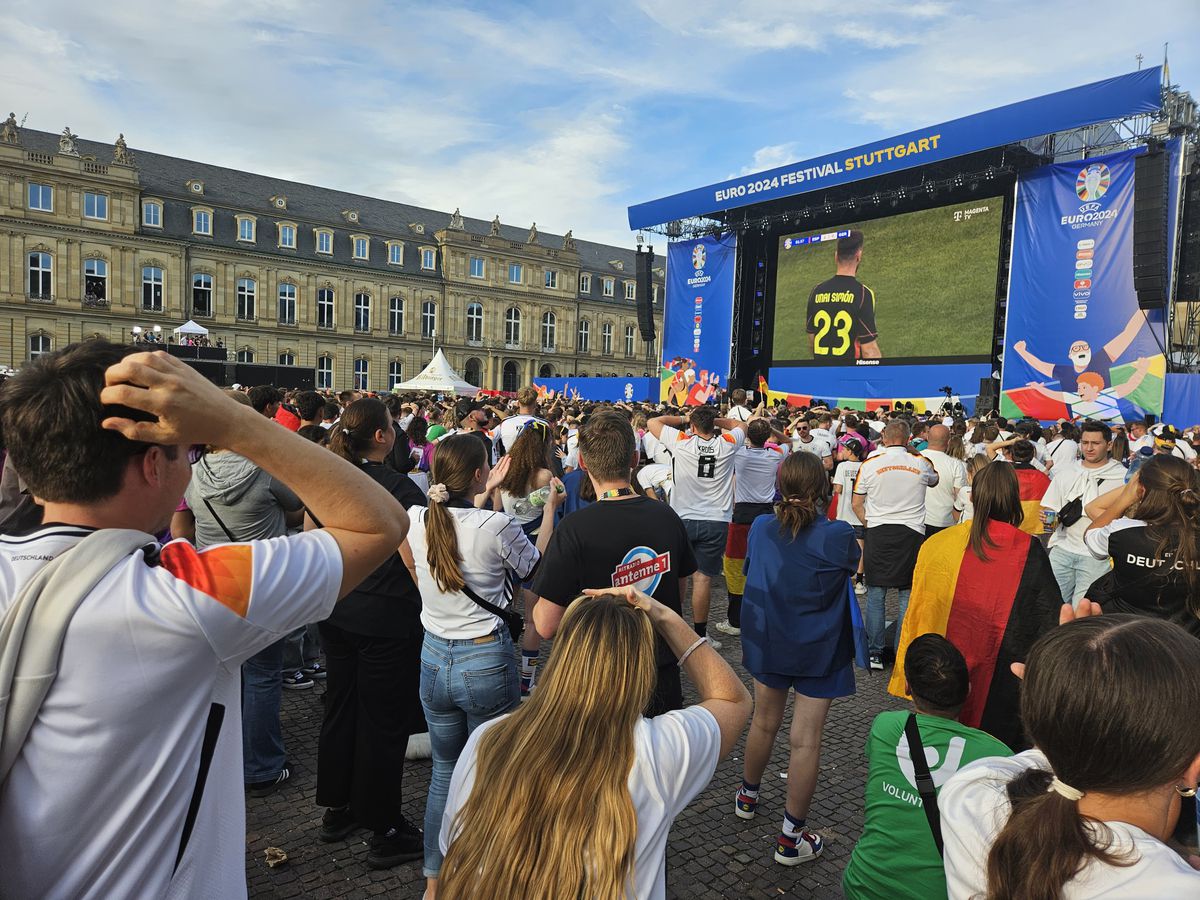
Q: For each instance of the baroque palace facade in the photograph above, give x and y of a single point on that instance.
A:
(100, 240)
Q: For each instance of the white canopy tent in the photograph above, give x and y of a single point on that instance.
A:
(190, 327)
(438, 376)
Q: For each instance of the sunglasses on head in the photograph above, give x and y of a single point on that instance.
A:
(195, 452)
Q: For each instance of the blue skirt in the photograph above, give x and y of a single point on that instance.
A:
(839, 683)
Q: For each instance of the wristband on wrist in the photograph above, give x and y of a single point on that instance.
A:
(688, 651)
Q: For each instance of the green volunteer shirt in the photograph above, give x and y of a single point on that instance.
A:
(896, 858)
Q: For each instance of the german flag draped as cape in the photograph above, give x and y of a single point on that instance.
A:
(992, 611)
(1033, 485)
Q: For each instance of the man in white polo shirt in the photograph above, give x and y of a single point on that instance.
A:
(128, 782)
(889, 499)
(805, 440)
(702, 494)
(952, 477)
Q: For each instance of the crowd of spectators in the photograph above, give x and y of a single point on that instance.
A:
(517, 587)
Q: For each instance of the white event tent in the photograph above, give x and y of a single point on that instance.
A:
(190, 327)
(437, 377)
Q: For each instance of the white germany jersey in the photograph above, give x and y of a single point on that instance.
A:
(703, 473)
(755, 471)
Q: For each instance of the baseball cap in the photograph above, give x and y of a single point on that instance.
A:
(465, 407)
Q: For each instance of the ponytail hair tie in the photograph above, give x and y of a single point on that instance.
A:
(1064, 790)
(438, 493)
(348, 431)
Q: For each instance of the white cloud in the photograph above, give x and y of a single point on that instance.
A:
(769, 157)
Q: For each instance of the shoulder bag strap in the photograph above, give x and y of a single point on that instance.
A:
(213, 512)
(925, 786)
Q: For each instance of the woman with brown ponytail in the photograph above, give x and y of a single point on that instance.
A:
(465, 554)
(1150, 528)
(372, 647)
(796, 635)
(1108, 703)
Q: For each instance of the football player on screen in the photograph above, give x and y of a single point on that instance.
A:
(841, 310)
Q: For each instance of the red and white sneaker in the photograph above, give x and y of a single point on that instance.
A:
(791, 851)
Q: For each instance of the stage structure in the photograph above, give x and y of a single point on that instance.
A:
(882, 273)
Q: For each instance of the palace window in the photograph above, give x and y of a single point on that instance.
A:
(428, 259)
(152, 214)
(362, 372)
(585, 283)
(477, 267)
(395, 373)
(325, 308)
(246, 291)
(39, 345)
(428, 318)
(202, 222)
(41, 275)
(362, 312)
(606, 339)
(287, 236)
(608, 287)
(629, 340)
(515, 273)
(324, 241)
(396, 315)
(512, 326)
(202, 290)
(549, 330)
(152, 288)
(95, 282)
(245, 228)
(475, 322)
(287, 305)
(585, 336)
(95, 206)
(361, 247)
(41, 197)
(395, 253)
(324, 372)
(551, 278)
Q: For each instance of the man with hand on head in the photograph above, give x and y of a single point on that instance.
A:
(138, 711)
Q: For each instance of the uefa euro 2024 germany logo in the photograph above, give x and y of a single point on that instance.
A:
(699, 257)
(1093, 181)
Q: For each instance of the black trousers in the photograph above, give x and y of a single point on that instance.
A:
(372, 704)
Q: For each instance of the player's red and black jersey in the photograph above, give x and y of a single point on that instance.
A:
(841, 316)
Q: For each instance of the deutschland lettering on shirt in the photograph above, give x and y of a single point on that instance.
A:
(912, 469)
(641, 570)
(1150, 562)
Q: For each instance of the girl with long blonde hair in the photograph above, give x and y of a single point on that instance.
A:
(619, 779)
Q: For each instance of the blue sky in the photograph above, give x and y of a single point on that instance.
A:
(551, 111)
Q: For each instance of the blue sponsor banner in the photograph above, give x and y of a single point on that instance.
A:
(1112, 98)
(834, 382)
(698, 316)
(602, 389)
(1076, 345)
(1181, 400)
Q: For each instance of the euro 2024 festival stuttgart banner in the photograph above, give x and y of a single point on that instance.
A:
(1076, 345)
(698, 318)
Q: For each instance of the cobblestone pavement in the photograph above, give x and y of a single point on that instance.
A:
(712, 853)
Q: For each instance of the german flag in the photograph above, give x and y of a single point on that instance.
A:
(1033, 484)
(991, 610)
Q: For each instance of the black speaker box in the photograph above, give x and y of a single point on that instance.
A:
(1150, 229)
(645, 294)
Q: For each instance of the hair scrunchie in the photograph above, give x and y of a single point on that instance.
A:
(438, 493)
(1064, 790)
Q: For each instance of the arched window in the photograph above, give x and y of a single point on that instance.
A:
(362, 312)
(39, 345)
(287, 304)
(324, 372)
(152, 288)
(95, 282)
(473, 372)
(362, 373)
(549, 331)
(245, 355)
(396, 315)
(325, 308)
(546, 371)
(428, 318)
(475, 323)
(246, 289)
(585, 336)
(287, 358)
(202, 295)
(606, 339)
(629, 340)
(395, 373)
(512, 327)
(510, 377)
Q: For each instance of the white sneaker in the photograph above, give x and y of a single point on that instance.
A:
(419, 746)
(860, 588)
(876, 662)
(726, 628)
(793, 851)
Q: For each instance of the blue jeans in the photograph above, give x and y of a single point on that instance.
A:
(263, 757)
(876, 622)
(301, 648)
(1075, 573)
(463, 684)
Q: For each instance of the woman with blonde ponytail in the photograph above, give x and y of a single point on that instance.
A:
(466, 554)
(1108, 704)
(587, 811)
(796, 635)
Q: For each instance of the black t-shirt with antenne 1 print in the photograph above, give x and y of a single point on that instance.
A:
(618, 543)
